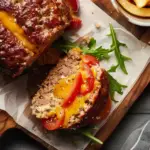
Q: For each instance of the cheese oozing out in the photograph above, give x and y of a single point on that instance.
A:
(61, 91)
(9, 22)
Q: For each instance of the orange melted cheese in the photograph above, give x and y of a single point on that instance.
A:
(9, 22)
(74, 108)
(62, 89)
(57, 111)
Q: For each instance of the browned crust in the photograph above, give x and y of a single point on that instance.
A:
(13, 55)
(40, 19)
(45, 47)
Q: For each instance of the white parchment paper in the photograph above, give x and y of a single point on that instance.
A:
(14, 97)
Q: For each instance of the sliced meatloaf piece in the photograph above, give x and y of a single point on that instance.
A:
(35, 24)
(13, 55)
(85, 108)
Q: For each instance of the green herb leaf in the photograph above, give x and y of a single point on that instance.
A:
(91, 137)
(99, 52)
(63, 45)
(122, 44)
(113, 68)
(109, 34)
(92, 43)
(126, 58)
(116, 47)
(115, 86)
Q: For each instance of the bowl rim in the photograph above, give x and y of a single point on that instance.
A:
(131, 18)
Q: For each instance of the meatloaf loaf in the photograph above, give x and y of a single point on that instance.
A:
(64, 93)
(27, 27)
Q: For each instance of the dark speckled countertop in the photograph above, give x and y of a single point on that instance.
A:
(138, 114)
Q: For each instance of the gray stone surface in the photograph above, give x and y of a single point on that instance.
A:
(142, 105)
(136, 117)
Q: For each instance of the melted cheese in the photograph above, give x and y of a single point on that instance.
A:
(94, 71)
(61, 90)
(12, 26)
(56, 111)
(74, 108)
(63, 87)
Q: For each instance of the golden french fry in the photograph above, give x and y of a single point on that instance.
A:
(141, 3)
(133, 9)
(148, 4)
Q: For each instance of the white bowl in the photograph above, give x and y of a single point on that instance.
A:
(131, 18)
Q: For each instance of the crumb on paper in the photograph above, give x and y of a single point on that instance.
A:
(84, 40)
(87, 39)
(97, 25)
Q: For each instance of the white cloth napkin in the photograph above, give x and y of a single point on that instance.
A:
(139, 139)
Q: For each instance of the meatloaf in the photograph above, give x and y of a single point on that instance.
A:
(27, 27)
(55, 89)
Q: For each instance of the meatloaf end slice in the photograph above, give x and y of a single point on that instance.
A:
(13, 55)
(40, 19)
(84, 108)
(35, 24)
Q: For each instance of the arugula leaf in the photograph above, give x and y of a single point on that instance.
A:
(99, 52)
(113, 68)
(126, 58)
(92, 43)
(122, 44)
(116, 47)
(64, 45)
(91, 137)
(115, 86)
(87, 132)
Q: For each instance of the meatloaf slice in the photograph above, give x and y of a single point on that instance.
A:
(35, 24)
(84, 108)
(13, 55)
(40, 19)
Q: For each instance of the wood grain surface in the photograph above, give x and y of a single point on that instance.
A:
(142, 34)
(6, 122)
(120, 112)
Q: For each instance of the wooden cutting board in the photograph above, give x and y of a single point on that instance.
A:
(142, 33)
(120, 112)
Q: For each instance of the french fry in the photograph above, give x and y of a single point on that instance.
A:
(141, 3)
(133, 9)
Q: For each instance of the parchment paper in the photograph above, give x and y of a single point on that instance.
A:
(15, 98)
